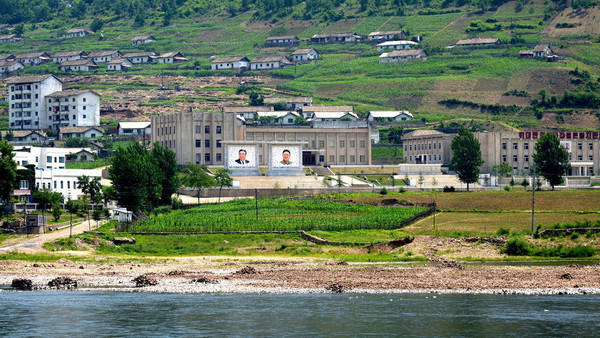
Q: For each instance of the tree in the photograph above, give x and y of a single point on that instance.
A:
(197, 177)
(56, 210)
(503, 169)
(167, 165)
(97, 25)
(8, 171)
(93, 188)
(136, 178)
(466, 157)
(421, 180)
(394, 134)
(551, 159)
(256, 99)
(73, 207)
(223, 179)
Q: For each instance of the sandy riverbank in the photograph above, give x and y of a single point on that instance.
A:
(236, 275)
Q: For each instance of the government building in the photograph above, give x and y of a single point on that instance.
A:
(515, 148)
(198, 137)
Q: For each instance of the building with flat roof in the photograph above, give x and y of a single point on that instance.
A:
(199, 137)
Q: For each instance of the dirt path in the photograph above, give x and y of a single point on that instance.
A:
(35, 244)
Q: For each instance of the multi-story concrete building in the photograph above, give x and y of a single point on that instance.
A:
(64, 180)
(515, 148)
(73, 108)
(38, 102)
(27, 107)
(198, 138)
(427, 147)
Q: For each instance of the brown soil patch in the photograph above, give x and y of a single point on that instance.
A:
(551, 80)
(488, 84)
(589, 120)
(585, 20)
(343, 26)
(208, 35)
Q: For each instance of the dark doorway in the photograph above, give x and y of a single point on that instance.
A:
(308, 158)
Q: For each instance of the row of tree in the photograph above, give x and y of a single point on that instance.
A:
(551, 160)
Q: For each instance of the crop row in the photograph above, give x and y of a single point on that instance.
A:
(278, 215)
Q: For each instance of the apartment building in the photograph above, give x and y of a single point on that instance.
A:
(199, 137)
(27, 107)
(73, 108)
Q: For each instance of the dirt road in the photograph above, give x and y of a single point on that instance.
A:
(35, 243)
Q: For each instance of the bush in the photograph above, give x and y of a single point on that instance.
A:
(506, 188)
(449, 188)
(574, 235)
(401, 190)
(502, 232)
(383, 191)
(516, 247)
(176, 203)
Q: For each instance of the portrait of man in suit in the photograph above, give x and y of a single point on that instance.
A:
(242, 157)
(286, 157)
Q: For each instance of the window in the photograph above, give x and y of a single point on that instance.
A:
(218, 129)
(332, 143)
(84, 101)
(515, 158)
(84, 116)
(62, 184)
(61, 160)
(526, 158)
(352, 144)
(362, 143)
(207, 129)
(591, 146)
(207, 157)
(198, 143)
(503, 158)
(197, 158)
(434, 145)
(580, 146)
(74, 117)
(49, 159)
(526, 146)
(198, 129)
(331, 158)
(515, 146)
(321, 158)
(219, 157)
(207, 143)
(218, 143)
(24, 184)
(591, 158)
(342, 143)
(429, 146)
(54, 184)
(503, 145)
(321, 143)
(83, 107)
(352, 159)
(440, 145)
(342, 158)
(411, 147)
(68, 184)
(579, 158)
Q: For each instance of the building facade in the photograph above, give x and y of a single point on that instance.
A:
(73, 108)
(198, 138)
(26, 99)
(427, 147)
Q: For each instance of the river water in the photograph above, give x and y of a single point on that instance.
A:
(92, 314)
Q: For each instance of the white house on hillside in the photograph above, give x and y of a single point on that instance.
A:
(140, 40)
(389, 115)
(134, 128)
(305, 55)
(397, 45)
(333, 116)
(61, 57)
(10, 66)
(74, 108)
(232, 62)
(83, 65)
(270, 62)
(36, 58)
(141, 57)
(117, 65)
(87, 132)
(403, 56)
(386, 35)
(104, 55)
(280, 117)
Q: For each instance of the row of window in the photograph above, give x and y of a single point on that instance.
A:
(74, 108)
(429, 158)
(207, 143)
(218, 129)
(58, 100)
(55, 184)
(526, 158)
(515, 146)
(427, 146)
(22, 87)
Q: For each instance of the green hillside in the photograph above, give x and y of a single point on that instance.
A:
(454, 84)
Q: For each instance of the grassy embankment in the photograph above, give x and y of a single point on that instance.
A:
(460, 215)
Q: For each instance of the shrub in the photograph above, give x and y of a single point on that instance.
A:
(176, 203)
(516, 247)
(449, 188)
(502, 232)
(506, 188)
(574, 235)
(383, 191)
(401, 190)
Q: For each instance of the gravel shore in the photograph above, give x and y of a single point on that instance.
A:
(224, 275)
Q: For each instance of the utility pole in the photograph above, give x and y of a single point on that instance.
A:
(256, 203)
(534, 184)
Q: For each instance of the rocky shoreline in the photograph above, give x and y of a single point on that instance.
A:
(218, 275)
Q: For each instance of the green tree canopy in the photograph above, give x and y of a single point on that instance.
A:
(197, 177)
(551, 159)
(136, 178)
(167, 165)
(466, 157)
(8, 171)
(223, 179)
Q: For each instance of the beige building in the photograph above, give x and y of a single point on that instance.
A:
(515, 148)
(427, 147)
(198, 138)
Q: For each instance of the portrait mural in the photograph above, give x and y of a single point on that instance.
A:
(241, 156)
(285, 156)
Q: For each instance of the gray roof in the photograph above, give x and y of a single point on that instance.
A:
(32, 55)
(71, 92)
(270, 59)
(102, 53)
(139, 54)
(229, 59)
(477, 41)
(285, 37)
(70, 53)
(303, 51)
(29, 79)
(403, 52)
(81, 62)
